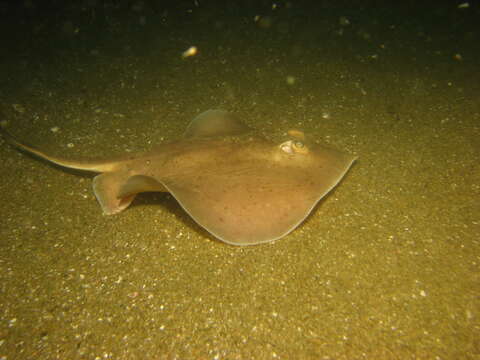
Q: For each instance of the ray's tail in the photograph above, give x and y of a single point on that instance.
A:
(86, 165)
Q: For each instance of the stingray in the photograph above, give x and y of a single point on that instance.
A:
(240, 187)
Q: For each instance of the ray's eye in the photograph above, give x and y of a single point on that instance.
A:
(294, 147)
(286, 147)
(298, 144)
(299, 147)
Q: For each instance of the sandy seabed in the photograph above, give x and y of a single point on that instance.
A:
(386, 267)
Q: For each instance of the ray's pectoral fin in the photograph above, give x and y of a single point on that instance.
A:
(115, 191)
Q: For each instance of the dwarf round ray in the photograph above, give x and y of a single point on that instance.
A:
(242, 188)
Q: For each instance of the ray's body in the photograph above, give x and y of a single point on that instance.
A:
(241, 188)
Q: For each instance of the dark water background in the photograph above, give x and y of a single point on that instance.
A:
(387, 267)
